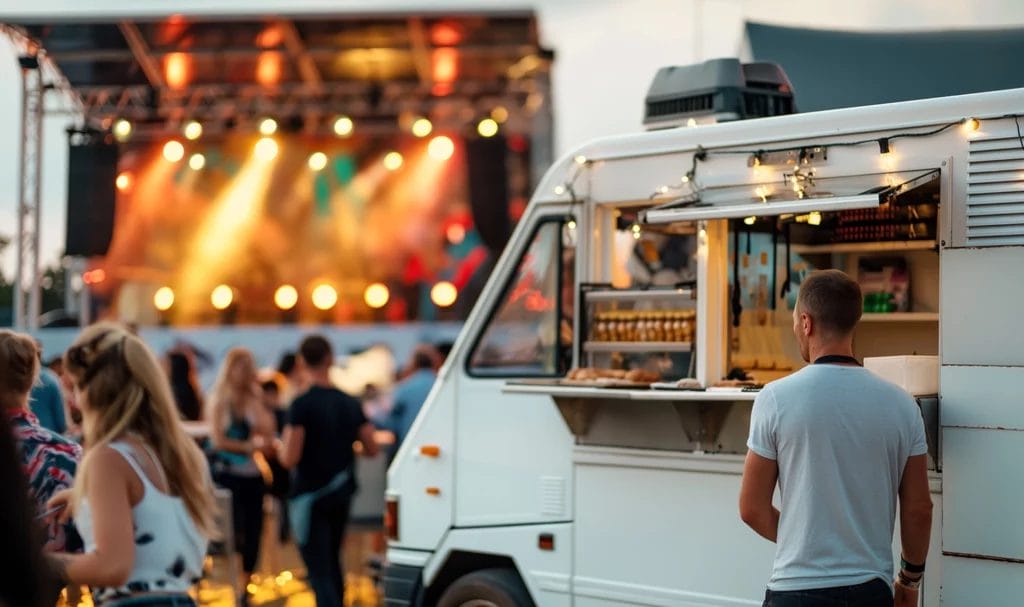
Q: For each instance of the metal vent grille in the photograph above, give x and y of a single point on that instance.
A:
(995, 192)
(552, 491)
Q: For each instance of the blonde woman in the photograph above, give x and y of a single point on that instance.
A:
(139, 466)
(240, 427)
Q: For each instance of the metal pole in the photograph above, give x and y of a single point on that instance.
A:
(35, 295)
(23, 211)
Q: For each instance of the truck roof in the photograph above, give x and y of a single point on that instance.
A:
(778, 130)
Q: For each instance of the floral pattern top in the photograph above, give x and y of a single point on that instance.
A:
(49, 461)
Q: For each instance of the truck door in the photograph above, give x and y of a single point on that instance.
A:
(513, 455)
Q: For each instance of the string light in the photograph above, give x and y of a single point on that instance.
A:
(422, 127)
(376, 295)
(163, 299)
(500, 114)
(266, 149)
(174, 151)
(580, 160)
(268, 126)
(193, 130)
(487, 127)
(393, 161)
(317, 161)
(636, 231)
(122, 130)
(441, 147)
(221, 297)
(814, 218)
(324, 297)
(691, 122)
(443, 294)
(750, 220)
(559, 190)
(343, 126)
(571, 224)
(285, 297)
(971, 125)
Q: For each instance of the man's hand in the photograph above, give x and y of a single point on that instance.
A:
(905, 597)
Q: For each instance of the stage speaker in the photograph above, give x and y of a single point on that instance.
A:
(92, 170)
(488, 190)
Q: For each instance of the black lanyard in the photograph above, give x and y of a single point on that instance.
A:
(834, 359)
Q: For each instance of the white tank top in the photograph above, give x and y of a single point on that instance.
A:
(169, 549)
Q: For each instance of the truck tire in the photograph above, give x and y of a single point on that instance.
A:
(487, 588)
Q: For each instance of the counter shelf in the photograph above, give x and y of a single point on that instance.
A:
(701, 413)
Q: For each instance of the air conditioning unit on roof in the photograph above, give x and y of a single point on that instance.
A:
(717, 90)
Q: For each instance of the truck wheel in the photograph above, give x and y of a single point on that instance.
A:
(487, 588)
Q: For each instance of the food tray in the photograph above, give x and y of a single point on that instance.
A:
(673, 386)
(606, 382)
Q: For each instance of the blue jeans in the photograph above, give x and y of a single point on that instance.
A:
(322, 552)
(875, 593)
(153, 600)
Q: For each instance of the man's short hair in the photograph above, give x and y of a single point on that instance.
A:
(833, 300)
(287, 363)
(315, 350)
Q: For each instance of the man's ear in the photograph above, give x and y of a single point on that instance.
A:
(807, 324)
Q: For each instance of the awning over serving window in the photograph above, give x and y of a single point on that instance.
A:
(777, 198)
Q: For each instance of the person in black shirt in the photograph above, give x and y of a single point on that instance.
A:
(323, 424)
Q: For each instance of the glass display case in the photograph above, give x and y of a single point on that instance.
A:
(653, 329)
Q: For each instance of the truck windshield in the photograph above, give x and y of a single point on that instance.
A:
(529, 334)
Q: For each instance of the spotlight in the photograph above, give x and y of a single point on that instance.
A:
(455, 233)
(285, 297)
(266, 149)
(499, 114)
(376, 295)
(268, 126)
(487, 127)
(343, 126)
(174, 151)
(443, 294)
(123, 181)
(193, 130)
(422, 127)
(317, 161)
(324, 297)
(441, 148)
(163, 299)
(393, 161)
(122, 130)
(196, 162)
(971, 125)
(221, 297)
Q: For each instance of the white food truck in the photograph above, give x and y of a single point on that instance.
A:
(678, 252)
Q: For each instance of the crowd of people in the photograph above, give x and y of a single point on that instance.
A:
(99, 439)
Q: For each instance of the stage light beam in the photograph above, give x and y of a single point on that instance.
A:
(285, 297)
(441, 147)
(163, 299)
(174, 151)
(443, 294)
(221, 297)
(324, 297)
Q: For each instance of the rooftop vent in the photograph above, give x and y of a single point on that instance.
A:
(718, 90)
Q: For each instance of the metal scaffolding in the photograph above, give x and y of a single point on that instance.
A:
(26, 278)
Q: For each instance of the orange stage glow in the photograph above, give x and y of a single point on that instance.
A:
(178, 70)
(445, 33)
(268, 68)
(270, 37)
(444, 65)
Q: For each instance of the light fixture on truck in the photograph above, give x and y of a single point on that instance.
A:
(391, 517)
(807, 196)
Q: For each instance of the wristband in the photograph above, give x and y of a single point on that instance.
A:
(906, 582)
(910, 567)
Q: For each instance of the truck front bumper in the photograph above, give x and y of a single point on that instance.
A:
(402, 585)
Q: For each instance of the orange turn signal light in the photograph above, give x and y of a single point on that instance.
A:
(430, 451)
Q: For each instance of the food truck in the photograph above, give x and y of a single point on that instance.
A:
(583, 444)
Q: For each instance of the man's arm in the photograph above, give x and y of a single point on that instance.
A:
(915, 510)
(759, 477)
(290, 449)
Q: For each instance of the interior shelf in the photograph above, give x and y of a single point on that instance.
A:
(637, 346)
(901, 317)
(639, 294)
(865, 247)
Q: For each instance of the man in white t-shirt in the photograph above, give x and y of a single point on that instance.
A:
(843, 445)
